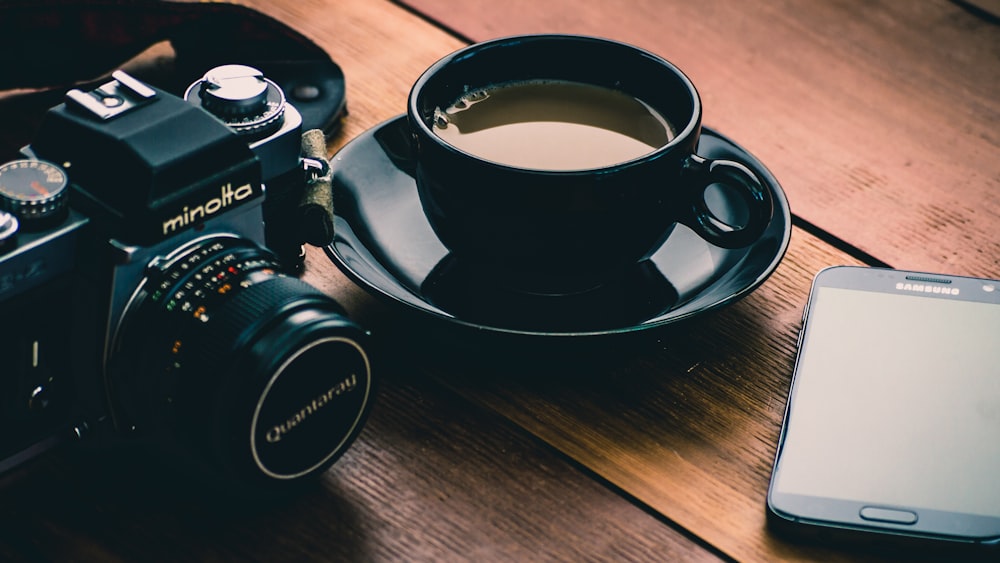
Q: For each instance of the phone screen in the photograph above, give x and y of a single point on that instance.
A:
(893, 419)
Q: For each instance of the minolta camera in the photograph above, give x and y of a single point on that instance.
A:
(140, 302)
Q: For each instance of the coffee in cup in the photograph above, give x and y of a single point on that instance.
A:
(552, 125)
(553, 163)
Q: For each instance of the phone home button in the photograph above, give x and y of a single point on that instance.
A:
(879, 514)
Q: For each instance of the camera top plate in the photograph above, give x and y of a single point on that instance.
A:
(144, 171)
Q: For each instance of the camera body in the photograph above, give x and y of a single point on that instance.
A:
(155, 309)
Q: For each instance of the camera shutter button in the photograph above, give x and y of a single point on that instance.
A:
(241, 97)
(234, 91)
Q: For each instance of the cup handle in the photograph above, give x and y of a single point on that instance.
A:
(703, 173)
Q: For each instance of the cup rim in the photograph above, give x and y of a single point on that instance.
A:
(682, 136)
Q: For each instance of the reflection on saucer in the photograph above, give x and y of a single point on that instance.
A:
(384, 243)
(474, 295)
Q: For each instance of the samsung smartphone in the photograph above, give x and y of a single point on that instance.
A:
(892, 427)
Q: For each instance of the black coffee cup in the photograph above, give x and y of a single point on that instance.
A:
(563, 230)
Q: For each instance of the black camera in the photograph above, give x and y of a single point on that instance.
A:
(142, 296)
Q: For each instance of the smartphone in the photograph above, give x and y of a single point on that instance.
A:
(892, 425)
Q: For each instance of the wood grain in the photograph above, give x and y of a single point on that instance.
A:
(880, 118)
(430, 479)
(687, 425)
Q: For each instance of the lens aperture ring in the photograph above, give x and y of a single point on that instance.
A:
(206, 275)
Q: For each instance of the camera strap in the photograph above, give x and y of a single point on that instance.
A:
(50, 46)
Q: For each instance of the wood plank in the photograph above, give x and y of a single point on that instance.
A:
(689, 424)
(880, 119)
(430, 479)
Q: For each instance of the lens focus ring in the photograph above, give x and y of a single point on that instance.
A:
(294, 385)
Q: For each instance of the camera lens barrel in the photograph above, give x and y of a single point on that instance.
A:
(249, 375)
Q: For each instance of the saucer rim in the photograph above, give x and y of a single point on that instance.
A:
(781, 208)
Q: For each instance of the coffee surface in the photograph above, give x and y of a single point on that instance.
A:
(553, 125)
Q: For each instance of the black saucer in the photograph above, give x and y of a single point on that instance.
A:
(384, 243)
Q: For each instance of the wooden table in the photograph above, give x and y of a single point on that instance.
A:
(881, 121)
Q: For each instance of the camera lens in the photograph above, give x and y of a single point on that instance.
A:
(242, 372)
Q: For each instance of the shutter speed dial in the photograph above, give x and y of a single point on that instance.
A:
(241, 97)
(34, 191)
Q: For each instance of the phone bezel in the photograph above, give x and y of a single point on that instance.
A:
(828, 515)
